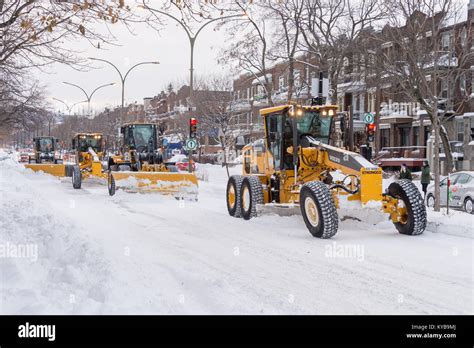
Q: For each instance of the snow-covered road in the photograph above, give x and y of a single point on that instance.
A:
(149, 254)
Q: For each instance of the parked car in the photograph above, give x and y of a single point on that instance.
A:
(183, 165)
(462, 192)
(24, 157)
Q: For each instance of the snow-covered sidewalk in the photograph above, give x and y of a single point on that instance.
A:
(149, 254)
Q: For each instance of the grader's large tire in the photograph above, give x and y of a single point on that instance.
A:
(69, 169)
(111, 184)
(318, 210)
(409, 195)
(251, 194)
(234, 185)
(76, 177)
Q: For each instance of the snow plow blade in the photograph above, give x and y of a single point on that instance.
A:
(52, 169)
(180, 185)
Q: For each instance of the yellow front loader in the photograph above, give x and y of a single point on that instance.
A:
(140, 167)
(46, 158)
(292, 166)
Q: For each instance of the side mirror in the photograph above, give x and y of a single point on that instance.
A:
(73, 144)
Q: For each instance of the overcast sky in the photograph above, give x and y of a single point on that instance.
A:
(170, 47)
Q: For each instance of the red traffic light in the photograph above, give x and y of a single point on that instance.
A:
(193, 122)
(371, 127)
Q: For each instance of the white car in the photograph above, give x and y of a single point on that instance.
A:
(461, 192)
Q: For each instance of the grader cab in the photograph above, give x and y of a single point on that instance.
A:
(140, 166)
(294, 165)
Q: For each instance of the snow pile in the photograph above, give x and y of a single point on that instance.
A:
(152, 254)
(457, 223)
(45, 265)
(177, 158)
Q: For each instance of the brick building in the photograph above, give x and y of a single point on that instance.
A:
(250, 94)
(401, 125)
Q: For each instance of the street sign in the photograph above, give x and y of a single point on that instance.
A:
(369, 118)
(191, 144)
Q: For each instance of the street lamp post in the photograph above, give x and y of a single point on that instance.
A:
(192, 40)
(89, 96)
(68, 107)
(123, 77)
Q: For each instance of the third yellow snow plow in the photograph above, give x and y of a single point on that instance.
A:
(46, 158)
(140, 167)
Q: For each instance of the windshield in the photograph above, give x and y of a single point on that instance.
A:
(312, 123)
(142, 135)
(85, 142)
(46, 145)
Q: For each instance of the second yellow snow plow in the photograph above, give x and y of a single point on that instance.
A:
(140, 167)
(89, 149)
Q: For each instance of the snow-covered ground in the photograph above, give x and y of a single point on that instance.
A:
(66, 251)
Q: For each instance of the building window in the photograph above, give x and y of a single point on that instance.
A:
(296, 77)
(385, 138)
(444, 88)
(416, 136)
(464, 37)
(460, 130)
(404, 136)
(446, 41)
(427, 134)
(281, 83)
(463, 83)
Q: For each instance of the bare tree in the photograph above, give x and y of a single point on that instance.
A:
(250, 45)
(330, 29)
(417, 63)
(216, 105)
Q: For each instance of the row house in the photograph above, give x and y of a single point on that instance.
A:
(404, 125)
(251, 95)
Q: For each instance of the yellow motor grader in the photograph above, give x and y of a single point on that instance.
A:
(140, 166)
(46, 158)
(292, 166)
(89, 148)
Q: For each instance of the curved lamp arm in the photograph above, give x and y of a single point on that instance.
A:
(133, 67)
(82, 89)
(188, 32)
(110, 63)
(106, 85)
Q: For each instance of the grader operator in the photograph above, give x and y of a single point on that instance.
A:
(292, 166)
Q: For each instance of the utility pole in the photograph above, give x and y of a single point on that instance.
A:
(436, 125)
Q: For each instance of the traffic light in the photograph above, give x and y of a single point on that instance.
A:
(370, 128)
(193, 128)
